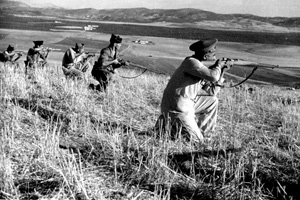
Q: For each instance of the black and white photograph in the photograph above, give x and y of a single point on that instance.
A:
(149, 100)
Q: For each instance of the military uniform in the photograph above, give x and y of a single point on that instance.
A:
(34, 55)
(73, 62)
(9, 55)
(102, 72)
(189, 103)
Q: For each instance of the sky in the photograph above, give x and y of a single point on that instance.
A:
(265, 8)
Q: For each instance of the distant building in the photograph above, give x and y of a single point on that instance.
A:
(90, 27)
(143, 42)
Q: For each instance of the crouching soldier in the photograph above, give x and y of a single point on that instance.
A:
(36, 57)
(75, 63)
(107, 64)
(10, 56)
(189, 103)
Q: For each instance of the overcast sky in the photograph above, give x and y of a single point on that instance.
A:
(268, 8)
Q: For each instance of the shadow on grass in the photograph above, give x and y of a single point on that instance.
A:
(180, 191)
(277, 175)
(32, 189)
(45, 113)
(54, 115)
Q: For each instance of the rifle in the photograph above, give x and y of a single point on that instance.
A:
(229, 62)
(140, 67)
(19, 51)
(50, 49)
(47, 49)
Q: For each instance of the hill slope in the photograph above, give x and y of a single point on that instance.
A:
(59, 140)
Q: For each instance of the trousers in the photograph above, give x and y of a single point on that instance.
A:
(200, 117)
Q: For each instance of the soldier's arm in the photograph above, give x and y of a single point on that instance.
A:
(44, 54)
(105, 59)
(198, 69)
(69, 58)
(6, 56)
(9, 54)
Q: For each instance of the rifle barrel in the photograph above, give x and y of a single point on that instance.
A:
(246, 63)
(142, 67)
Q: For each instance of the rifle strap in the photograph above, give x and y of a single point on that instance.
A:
(231, 86)
(132, 77)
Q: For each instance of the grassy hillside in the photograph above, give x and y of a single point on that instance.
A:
(59, 140)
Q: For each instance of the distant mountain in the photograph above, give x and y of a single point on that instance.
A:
(45, 5)
(144, 15)
(6, 4)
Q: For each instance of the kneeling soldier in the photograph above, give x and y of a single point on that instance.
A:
(36, 57)
(189, 103)
(10, 56)
(75, 62)
(107, 64)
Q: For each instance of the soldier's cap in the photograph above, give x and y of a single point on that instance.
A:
(79, 46)
(204, 45)
(115, 39)
(38, 42)
(10, 48)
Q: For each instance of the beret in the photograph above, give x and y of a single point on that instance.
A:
(38, 42)
(204, 45)
(10, 48)
(115, 39)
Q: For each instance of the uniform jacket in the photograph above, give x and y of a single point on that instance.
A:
(5, 56)
(190, 80)
(71, 57)
(34, 54)
(107, 54)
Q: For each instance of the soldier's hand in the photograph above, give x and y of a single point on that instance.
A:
(126, 63)
(220, 63)
(116, 61)
(228, 64)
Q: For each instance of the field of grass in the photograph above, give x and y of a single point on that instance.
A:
(60, 140)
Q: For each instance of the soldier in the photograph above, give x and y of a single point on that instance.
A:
(34, 55)
(75, 62)
(189, 103)
(107, 64)
(9, 55)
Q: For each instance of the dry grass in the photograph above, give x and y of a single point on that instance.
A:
(60, 140)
